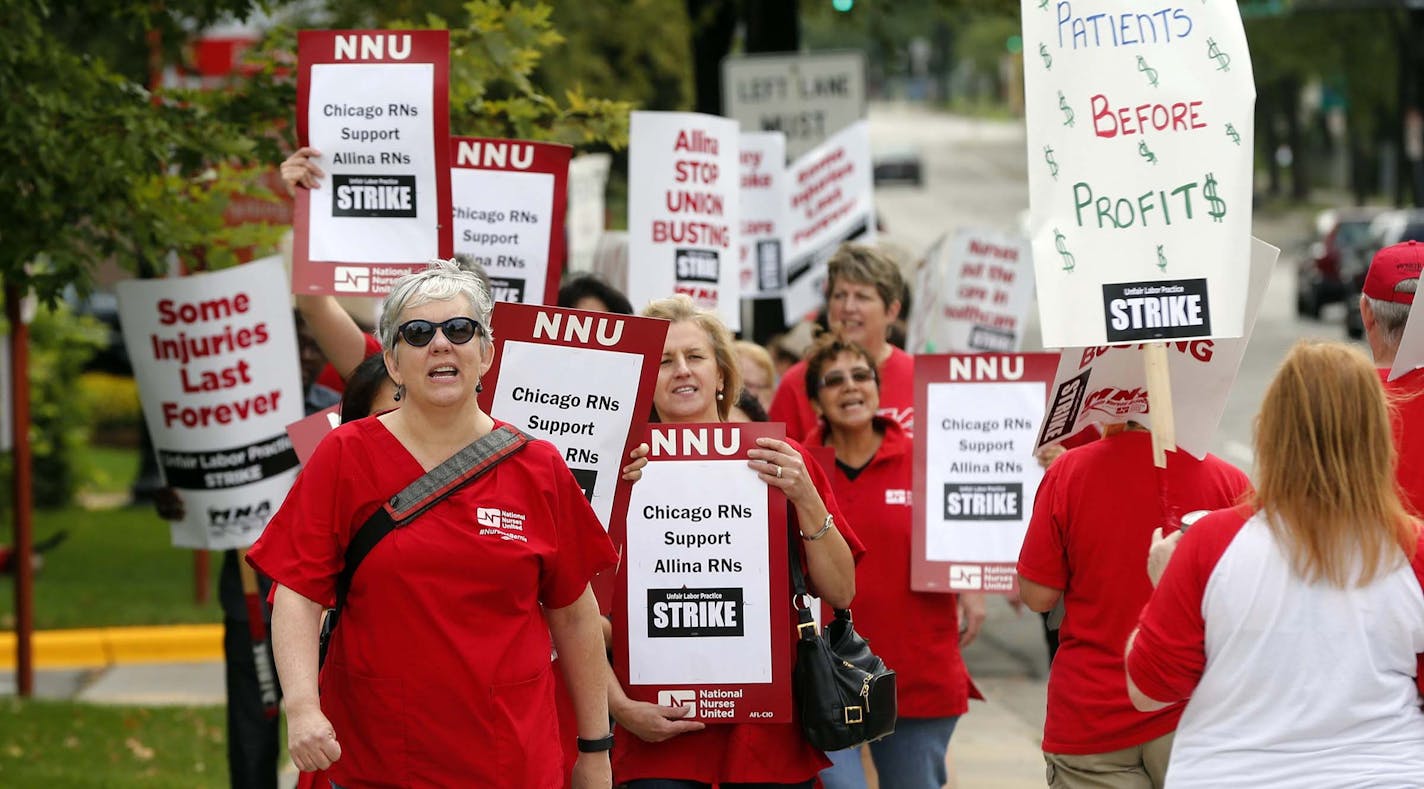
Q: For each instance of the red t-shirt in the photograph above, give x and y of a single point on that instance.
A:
(439, 674)
(736, 752)
(332, 380)
(915, 633)
(897, 396)
(1406, 395)
(1091, 527)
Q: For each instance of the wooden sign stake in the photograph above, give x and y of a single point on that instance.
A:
(1159, 402)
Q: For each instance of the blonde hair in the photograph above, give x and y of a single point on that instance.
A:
(1325, 456)
(758, 356)
(680, 308)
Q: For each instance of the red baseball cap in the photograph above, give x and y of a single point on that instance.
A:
(1391, 266)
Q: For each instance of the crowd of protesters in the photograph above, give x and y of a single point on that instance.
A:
(1275, 641)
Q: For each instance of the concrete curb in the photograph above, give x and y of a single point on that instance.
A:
(108, 646)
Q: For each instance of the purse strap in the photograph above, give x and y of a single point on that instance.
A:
(806, 621)
(432, 487)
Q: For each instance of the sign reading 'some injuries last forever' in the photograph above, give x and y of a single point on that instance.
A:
(705, 614)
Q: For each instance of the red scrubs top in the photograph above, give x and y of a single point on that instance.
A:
(736, 752)
(439, 674)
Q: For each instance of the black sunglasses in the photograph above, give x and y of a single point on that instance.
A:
(419, 333)
(837, 378)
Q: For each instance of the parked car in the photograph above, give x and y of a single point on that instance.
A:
(1342, 233)
(1387, 229)
(898, 164)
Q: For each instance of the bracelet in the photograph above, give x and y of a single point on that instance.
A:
(826, 526)
(604, 743)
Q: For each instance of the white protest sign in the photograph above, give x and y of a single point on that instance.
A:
(925, 323)
(1106, 384)
(509, 213)
(831, 200)
(215, 357)
(683, 210)
(1140, 141)
(763, 204)
(376, 104)
(588, 180)
(975, 473)
(807, 96)
(705, 615)
(986, 289)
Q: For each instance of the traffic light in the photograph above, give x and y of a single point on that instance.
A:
(843, 6)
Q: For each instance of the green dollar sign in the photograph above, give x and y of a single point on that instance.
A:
(1145, 152)
(1067, 111)
(1052, 163)
(1047, 58)
(1218, 206)
(1233, 134)
(1148, 70)
(1061, 242)
(1043, 4)
(1223, 60)
(1161, 258)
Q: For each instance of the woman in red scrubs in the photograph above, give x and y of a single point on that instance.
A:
(439, 674)
(915, 633)
(698, 382)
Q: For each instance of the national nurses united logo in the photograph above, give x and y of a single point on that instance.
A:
(1156, 310)
(679, 698)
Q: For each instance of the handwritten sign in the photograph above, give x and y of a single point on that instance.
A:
(1105, 384)
(1140, 169)
(509, 213)
(763, 203)
(977, 291)
(215, 357)
(704, 616)
(376, 103)
(975, 474)
(683, 211)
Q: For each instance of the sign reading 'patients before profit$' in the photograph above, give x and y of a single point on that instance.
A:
(1140, 141)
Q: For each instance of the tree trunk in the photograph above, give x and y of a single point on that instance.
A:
(713, 24)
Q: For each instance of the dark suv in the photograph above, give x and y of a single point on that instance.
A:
(1387, 229)
(1342, 235)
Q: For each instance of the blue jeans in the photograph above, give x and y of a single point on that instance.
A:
(911, 758)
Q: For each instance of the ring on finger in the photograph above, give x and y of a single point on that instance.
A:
(778, 472)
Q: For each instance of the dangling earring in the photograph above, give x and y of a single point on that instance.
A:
(479, 386)
(719, 395)
(400, 393)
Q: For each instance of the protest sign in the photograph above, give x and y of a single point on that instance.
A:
(831, 199)
(763, 204)
(1106, 384)
(977, 297)
(376, 104)
(1410, 355)
(807, 96)
(215, 357)
(583, 381)
(588, 178)
(975, 473)
(683, 193)
(1140, 141)
(509, 200)
(924, 325)
(704, 616)
(307, 432)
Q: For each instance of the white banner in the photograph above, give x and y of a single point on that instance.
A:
(683, 211)
(808, 96)
(215, 357)
(588, 180)
(831, 199)
(1140, 141)
(980, 296)
(1106, 384)
(763, 204)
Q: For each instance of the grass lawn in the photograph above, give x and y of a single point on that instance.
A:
(66, 744)
(117, 567)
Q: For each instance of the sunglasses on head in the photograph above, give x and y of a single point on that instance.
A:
(419, 333)
(837, 378)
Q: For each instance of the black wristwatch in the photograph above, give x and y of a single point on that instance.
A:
(599, 745)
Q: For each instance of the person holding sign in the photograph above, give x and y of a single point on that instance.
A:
(1294, 627)
(1389, 290)
(697, 383)
(863, 292)
(916, 633)
(1088, 537)
(438, 676)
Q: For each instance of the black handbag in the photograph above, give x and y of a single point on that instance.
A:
(844, 693)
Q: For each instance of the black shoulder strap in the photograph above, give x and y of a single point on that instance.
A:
(464, 467)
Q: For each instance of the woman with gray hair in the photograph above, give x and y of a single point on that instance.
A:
(440, 672)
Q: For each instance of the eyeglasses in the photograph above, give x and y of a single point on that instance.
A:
(419, 333)
(837, 378)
